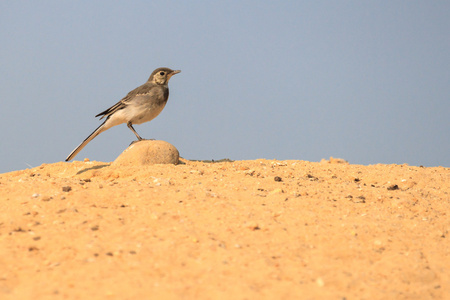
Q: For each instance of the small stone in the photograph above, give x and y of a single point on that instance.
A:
(312, 177)
(35, 195)
(276, 191)
(278, 178)
(250, 172)
(334, 161)
(361, 199)
(253, 226)
(66, 188)
(442, 234)
(196, 172)
(393, 187)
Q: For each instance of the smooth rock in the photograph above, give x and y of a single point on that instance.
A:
(148, 152)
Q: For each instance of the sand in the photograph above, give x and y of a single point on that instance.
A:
(260, 229)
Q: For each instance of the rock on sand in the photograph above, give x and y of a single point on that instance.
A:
(148, 152)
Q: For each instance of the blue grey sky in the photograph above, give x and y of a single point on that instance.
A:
(367, 81)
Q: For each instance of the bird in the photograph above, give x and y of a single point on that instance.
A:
(140, 105)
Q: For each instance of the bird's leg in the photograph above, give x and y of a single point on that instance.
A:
(130, 125)
(134, 131)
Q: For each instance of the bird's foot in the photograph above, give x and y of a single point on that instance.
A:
(141, 140)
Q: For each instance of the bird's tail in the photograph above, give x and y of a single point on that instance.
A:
(96, 132)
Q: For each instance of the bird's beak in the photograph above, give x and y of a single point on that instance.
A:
(173, 73)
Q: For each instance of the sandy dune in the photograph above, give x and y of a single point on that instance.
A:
(260, 229)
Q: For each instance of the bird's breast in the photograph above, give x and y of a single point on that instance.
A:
(146, 112)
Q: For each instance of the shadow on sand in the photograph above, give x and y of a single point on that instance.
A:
(92, 168)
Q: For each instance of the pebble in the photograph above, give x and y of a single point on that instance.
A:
(276, 191)
(197, 172)
(252, 226)
(250, 172)
(393, 187)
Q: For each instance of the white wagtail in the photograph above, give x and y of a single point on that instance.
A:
(142, 104)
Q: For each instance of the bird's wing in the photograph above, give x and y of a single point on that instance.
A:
(143, 89)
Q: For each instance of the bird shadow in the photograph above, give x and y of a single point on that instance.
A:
(92, 168)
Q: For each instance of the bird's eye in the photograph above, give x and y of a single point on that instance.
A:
(161, 73)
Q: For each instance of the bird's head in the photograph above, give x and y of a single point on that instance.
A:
(162, 75)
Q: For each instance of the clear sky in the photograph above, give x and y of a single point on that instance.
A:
(367, 81)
